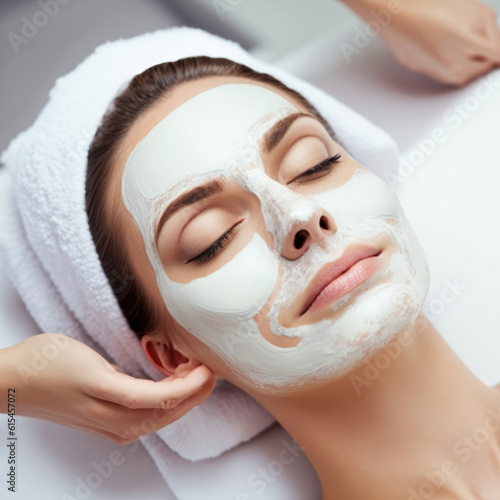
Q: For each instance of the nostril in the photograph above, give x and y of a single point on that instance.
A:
(300, 238)
(323, 222)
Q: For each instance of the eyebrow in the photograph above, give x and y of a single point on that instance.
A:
(270, 141)
(195, 195)
(276, 133)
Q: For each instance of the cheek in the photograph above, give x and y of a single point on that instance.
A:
(365, 195)
(214, 306)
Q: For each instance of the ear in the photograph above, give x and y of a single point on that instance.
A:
(167, 358)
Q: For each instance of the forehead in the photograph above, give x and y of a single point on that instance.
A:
(201, 135)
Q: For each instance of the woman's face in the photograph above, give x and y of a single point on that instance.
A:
(285, 260)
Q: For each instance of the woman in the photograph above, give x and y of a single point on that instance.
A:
(264, 251)
(460, 41)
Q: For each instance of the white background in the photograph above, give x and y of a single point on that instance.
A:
(451, 200)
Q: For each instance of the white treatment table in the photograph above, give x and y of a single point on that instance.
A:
(452, 201)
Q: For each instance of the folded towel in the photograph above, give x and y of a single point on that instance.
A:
(51, 257)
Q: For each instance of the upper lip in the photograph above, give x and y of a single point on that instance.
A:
(331, 271)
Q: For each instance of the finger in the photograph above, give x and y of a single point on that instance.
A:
(487, 45)
(194, 400)
(134, 393)
(475, 69)
(463, 74)
(493, 32)
(128, 424)
(183, 408)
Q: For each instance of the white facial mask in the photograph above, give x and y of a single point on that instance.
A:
(215, 134)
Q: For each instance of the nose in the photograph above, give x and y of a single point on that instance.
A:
(302, 231)
(295, 221)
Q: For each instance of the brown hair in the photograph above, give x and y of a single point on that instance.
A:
(142, 93)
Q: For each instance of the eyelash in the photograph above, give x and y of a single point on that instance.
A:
(324, 166)
(213, 249)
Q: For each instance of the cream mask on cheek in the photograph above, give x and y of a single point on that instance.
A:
(215, 135)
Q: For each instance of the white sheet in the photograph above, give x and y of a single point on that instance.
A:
(452, 202)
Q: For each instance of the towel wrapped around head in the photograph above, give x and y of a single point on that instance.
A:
(52, 260)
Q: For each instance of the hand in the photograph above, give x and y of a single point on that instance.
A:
(452, 41)
(71, 384)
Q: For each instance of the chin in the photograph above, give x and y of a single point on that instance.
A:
(386, 307)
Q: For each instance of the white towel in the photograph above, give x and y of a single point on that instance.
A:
(51, 257)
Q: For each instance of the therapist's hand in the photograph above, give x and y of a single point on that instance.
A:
(59, 379)
(452, 41)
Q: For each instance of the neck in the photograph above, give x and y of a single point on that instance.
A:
(411, 423)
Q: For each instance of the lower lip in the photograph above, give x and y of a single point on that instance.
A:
(345, 283)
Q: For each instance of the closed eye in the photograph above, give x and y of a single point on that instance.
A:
(213, 249)
(322, 168)
(315, 172)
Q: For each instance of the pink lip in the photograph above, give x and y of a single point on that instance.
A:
(338, 278)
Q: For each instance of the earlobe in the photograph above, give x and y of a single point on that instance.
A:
(166, 358)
